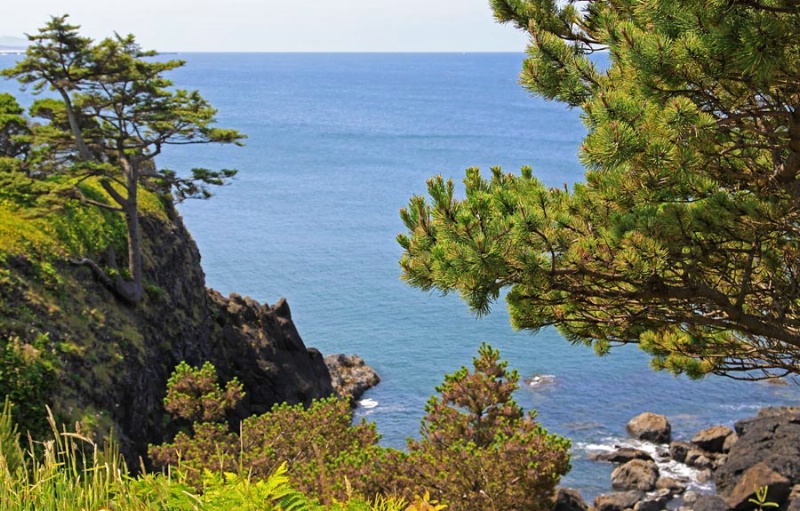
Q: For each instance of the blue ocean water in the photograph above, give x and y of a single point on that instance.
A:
(337, 144)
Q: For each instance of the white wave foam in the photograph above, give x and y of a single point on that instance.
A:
(368, 403)
(666, 466)
(540, 379)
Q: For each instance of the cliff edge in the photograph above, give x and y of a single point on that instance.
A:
(110, 362)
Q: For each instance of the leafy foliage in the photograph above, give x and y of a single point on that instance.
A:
(74, 474)
(479, 449)
(194, 394)
(26, 381)
(477, 446)
(684, 237)
(319, 444)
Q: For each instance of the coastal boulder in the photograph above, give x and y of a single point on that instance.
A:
(621, 455)
(699, 459)
(350, 375)
(567, 499)
(759, 476)
(618, 501)
(672, 485)
(656, 502)
(712, 439)
(651, 427)
(635, 475)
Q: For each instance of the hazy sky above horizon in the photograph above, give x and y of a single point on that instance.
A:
(285, 25)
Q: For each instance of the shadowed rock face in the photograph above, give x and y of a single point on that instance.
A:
(261, 346)
(122, 356)
(772, 439)
(257, 343)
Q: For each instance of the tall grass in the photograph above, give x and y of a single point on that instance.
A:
(70, 472)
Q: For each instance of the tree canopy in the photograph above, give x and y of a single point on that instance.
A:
(113, 114)
(685, 236)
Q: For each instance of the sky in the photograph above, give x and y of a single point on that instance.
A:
(280, 25)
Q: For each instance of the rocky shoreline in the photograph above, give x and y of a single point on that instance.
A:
(759, 452)
(350, 376)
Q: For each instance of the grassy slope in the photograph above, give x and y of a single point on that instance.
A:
(53, 328)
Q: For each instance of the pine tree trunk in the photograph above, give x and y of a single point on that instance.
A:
(133, 288)
(83, 149)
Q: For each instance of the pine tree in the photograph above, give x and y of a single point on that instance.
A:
(116, 114)
(479, 450)
(685, 236)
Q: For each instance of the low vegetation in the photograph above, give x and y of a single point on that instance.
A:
(477, 446)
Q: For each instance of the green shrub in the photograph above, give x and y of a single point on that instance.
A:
(478, 449)
(194, 394)
(26, 379)
(320, 444)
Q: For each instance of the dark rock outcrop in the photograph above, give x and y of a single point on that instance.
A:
(260, 345)
(650, 427)
(114, 359)
(350, 375)
(771, 438)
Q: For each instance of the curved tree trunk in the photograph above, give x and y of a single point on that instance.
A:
(83, 149)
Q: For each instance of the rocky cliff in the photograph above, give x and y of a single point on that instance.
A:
(112, 360)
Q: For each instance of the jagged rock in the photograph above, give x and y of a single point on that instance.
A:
(567, 499)
(709, 503)
(704, 476)
(759, 476)
(621, 455)
(618, 501)
(651, 427)
(635, 475)
(262, 347)
(679, 449)
(350, 375)
(712, 439)
(674, 486)
(772, 438)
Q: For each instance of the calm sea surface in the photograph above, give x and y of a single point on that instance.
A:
(337, 144)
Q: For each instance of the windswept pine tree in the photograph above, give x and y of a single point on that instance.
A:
(685, 236)
(115, 112)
